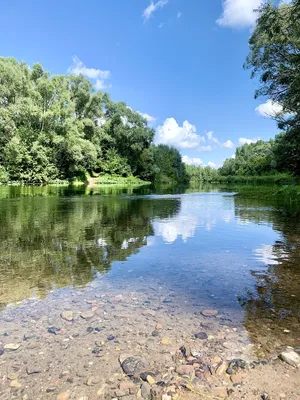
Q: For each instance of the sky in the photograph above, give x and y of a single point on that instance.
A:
(178, 62)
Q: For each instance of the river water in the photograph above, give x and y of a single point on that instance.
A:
(127, 250)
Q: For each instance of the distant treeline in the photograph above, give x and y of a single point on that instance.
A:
(59, 128)
(274, 58)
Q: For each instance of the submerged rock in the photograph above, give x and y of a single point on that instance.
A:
(133, 366)
(290, 357)
(201, 335)
(87, 315)
(12, 346)
(236, 365)
(209, 313)
(67, 316)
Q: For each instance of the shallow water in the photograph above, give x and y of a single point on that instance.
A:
(176, 253)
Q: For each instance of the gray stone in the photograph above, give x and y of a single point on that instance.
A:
(133, 366)
(145, 390)
(290, 357)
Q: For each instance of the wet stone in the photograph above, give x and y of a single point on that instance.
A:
(110, 337)
(87, 315)
(235, 365)
(290, 357)
(33, 369)
(67, 315)
(201, 335)
(209, 313)
(53, 329)
(1, 350)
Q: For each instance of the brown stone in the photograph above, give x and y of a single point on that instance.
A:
(216, 360)
(221, 370)
(63, 396)
(209, 313)
(15, 384)
(237, 378)
(127, 386)
(158, 327)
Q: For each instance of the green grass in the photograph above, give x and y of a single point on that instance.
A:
(119, 180)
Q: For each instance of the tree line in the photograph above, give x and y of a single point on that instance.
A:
(275, 60)
(59, 128)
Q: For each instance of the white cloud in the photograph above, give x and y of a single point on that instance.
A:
(239, 13)
(228, 144)
(98, 75)
(192, 161)
(147, 13)
(212, 164)
(233, 156)
(179, 14)
(182, 137)
(210, 136)
(269, 109)
(243, 141)
(148, 117)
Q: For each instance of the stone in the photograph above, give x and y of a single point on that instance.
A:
(289, 356)
(12, 376)
(33, 368)
(235, 365)
(127, 386)
(201, 335)
(185, 369)
(216, 360)
(15, 384)
(12, 346)
(28, 336)
(53, 329)
(150, 380)
(149, 313)
(133, 366)
(145, 390)
(92, 380)
(221, 370)
(220, 392)
(165, 341)
(1, 350)
(67, 316)
(265, 396)
(195, 353)
(209, 313)
(110, 338)
(50, 389)
(158, 327)
(166, 397)
(87, 315)
(63, 396)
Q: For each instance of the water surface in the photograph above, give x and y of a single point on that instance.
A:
(202, 249)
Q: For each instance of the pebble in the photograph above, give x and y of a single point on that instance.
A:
(67, 316)
(133, 366)
(1, 350)
(236, 378)
(15, 384)
(165, 341)
(289, 356)
(148, 313)
(145, 390)
(128, 386)
(33, 369)
(87, 315)
(201, 335)
(221, 369)
(53, 329)
(209, 313)
(151, 380)
(12, 346)
(158, 327)
(235, 365)
(166, 397)
(63, 396)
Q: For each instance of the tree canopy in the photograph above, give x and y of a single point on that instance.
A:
(59, 127)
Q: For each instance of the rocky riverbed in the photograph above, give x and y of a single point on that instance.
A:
(102, 343)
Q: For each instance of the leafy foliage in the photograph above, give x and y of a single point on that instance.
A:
(59, 127)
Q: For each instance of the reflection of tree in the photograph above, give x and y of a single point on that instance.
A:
(274, 309)
(54, 241)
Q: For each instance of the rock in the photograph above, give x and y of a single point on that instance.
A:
(110, 338)
(165, 341)
(235, 365)
(90, 329)
(53, 329)
(1, 350)
(265, 396)
(216, 360)
(50, 389)
(33, 369)
(166, 397)
(196, 353)
(128, 386)
(12, 346)
(220, 392)
(185, 369)
(155, 333)
(87, 315)
(120, 393)
(12, 376)
(145, 390)
(15, 384)
(63, 396)
(148, 313)
(209, 313)
(133, 366)
(201, 335)
(221, 369)
(28, 336)
(150, 380)
(158, 327)
(67, 316)
(289, 356)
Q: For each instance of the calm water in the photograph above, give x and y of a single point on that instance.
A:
(203, 248)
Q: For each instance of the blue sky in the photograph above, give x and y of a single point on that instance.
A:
(180, 62)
